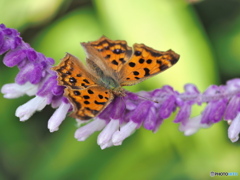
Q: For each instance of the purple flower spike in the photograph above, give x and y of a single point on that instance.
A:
(124, 115)
(34, 78)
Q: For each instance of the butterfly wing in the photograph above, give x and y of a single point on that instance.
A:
(145, 63)
(107, 54)
(71, 72)
(89, 102)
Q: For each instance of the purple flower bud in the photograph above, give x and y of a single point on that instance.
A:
(232, 108)
(13, 58)
(150, 122)
(141, 112)
(32, 55)
(118, 108)
(167, 107)
(47, 87)
(183, 113)
(1, 39)
(214, 111)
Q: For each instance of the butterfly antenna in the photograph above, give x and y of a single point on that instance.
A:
(147, 99)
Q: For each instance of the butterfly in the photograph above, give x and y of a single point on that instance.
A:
(110, 64)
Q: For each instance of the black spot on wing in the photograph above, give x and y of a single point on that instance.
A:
(159, 62)
(77, 93)
(86, 102)
(99, 103)
(149, 61)
(114, 62)
(72, 80)
(117, 51)
(86, 81)
(90, 91)
(122, 60)
(141, 61)
(146, 72)
(138, 53)
(68, 73)
(132, 64)
(136, 73)
(108, 56)
(100, 96)
(86, 97)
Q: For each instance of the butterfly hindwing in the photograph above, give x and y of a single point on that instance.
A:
(145, 63)
(88, 102)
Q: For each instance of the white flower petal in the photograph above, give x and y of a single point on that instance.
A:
(125, 131)
(25, 111)
(58, 116)
(14, 90)
(106, 145)
(105, 137)
(85, 131)
(192, 125)
(234, 129)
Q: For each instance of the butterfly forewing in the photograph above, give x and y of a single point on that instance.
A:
(72, 73)
(89, 102)
(144, 63)
(114, 53)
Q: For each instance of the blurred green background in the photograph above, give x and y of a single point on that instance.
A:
(206, 35)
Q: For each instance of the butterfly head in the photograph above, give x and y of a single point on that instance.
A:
(119, 91)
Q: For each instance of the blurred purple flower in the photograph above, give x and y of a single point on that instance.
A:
(35, 78)
(125, 114)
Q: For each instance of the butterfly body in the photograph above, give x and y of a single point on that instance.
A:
(110, 65)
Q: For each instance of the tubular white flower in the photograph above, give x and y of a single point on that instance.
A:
(192, 125)
(234, 129)
(25, 111)
(58, 116)
(104, 138)
(84, 132)
(14, 90)
(125, 131)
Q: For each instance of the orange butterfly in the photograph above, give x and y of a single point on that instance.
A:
(110, 65)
